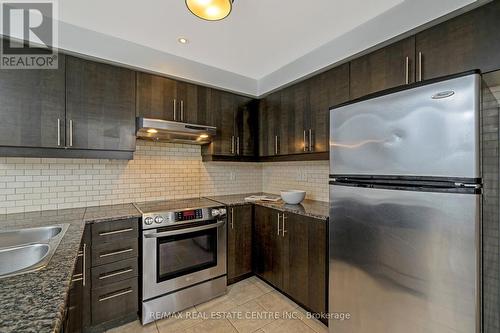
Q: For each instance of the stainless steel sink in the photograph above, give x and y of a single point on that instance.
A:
(28, 250)
(22, 258)
(29, 236)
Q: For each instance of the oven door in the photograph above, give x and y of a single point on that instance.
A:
(177, 258)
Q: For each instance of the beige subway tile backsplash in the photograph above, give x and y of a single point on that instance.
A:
(158, 171)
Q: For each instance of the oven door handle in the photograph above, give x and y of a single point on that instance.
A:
(184, 231)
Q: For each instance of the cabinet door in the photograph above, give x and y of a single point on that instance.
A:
(469, 41)
(100, 106)
(304, 267)
(187, 97)
(32, 105)
(157, 97)
(269, 115)
(268, 246)
(239, 243)
(223, 109)
(325, 90)
(391, 66)
(294, 110)
(246, 126)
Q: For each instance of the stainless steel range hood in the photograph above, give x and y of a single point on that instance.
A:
(172, 131)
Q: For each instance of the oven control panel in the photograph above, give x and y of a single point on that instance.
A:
(163, 219)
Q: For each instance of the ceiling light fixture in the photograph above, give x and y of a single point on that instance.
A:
(182, 40)
(210, 10)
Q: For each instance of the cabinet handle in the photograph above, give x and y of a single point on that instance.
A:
(115, 253)
(275, 145)
(182, 110)
(407, 70)
(71, 133)
(311, 148)
(278, 224)
(232, 144)
(84, 263)
(107, 233)
(123, 271)
(120, 293)
(420, 58)
(283, 219)
(232, 218)
(81, 276)
(237, 145)
(58, 132)
(175, 109)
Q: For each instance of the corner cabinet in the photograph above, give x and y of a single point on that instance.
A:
(235, 117)
(239, 243)
(292, 255)
(100, 106)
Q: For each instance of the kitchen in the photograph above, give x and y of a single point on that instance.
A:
(137, 181)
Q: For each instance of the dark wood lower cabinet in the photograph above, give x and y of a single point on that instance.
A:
(239, 243)
(292, 255)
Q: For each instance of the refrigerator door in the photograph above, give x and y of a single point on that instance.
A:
(403, 261)
(430, 130)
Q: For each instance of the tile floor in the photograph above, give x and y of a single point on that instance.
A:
(237, 311)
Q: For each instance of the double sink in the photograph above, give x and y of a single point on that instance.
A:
(28, 250)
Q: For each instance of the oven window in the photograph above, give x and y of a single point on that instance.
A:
(186, 253)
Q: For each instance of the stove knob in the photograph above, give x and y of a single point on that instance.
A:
(158, 219)
(148, 220)
(218, 212)
(222, 211)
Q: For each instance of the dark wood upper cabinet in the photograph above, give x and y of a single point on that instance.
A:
(239, 242)
(305, 262)
(246, 126)
(294, 111)
(469, 41)
(391, 66)
(268, 246)
(32, 106)
(187, 96)
(325, 90)
(156, 97)
(269, 124)
(100, 106)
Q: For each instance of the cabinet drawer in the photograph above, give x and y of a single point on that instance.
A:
(114, 301)
(114, 230)
(111, 273)
(110, 252)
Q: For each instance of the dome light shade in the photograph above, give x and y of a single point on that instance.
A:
(210, 10)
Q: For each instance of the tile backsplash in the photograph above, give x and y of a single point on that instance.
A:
(158, 171)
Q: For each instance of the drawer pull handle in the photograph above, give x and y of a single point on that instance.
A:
(107, 276)
(118, 294)
(115, 232)
(76, 280)
(115, 253)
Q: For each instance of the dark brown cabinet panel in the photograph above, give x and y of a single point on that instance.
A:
(32, 106)
(304, 269)
(325, 90)
(268, 246)
(100, 106)
(269, 115)
(223, 112)
(388, 67)
(469, 41)
(246, 126)
(156, 97)
(187, 95)
(115, 301)
(239, 243)
(292, 125)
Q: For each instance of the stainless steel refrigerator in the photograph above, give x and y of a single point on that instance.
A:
(405, 210)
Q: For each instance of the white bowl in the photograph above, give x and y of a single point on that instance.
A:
(293, 197)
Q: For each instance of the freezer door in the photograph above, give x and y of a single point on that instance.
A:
(403, 261)
(431, 130)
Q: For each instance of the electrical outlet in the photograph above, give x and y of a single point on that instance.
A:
(304, 176)
(232, 175)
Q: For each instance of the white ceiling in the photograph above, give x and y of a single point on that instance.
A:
(258, 37)
(262, 45)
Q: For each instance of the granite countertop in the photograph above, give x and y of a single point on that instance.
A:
(311, 208)
(110, 213)
(35, 302)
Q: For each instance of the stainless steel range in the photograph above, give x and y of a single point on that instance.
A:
(183, 255)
